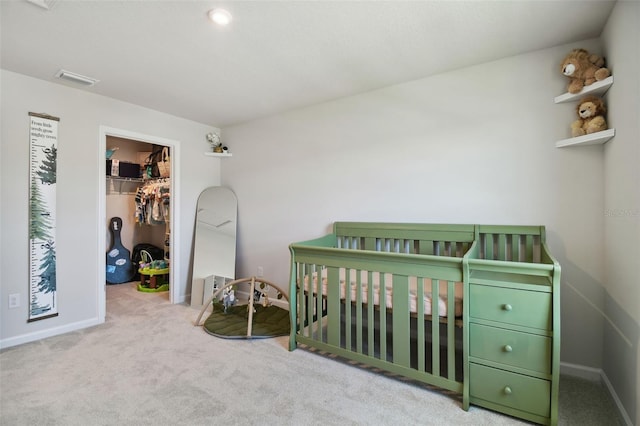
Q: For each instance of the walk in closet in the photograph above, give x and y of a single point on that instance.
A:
(141, 201)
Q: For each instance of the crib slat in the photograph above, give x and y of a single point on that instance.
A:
(359, 324)
(537, 249)
(370, 318)
(333, 306)
(528, 248)
(315, 305)
(502, 247)
(435, 327)
(347, 308)
(426, 247)
(382, 297)
(302, 301)
(451, 341)
(488, 246)
(301, 298)
(420, 323)
(401, 321)
(368, 243)
(310, 301)
(515, 248)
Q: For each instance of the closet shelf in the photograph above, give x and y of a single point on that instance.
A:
(598, 138)
(218, 154)
(118, 182)
(598, 88)
(124, 179)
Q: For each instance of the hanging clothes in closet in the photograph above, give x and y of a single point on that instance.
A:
(152, 202)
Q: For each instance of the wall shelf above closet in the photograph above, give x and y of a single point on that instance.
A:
(598, 88)
(598, 138)
(218, 154)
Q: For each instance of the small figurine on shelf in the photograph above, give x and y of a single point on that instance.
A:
(217, 146)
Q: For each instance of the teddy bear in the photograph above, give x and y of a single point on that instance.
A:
(591, 112)
(583, 69)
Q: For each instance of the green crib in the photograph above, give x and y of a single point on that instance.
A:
(472, 309)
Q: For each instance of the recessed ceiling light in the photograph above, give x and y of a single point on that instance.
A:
(76, 78)
(220, 16)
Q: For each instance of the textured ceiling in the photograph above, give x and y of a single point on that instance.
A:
(275, 55)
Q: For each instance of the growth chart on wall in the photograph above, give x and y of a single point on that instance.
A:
(43, 150)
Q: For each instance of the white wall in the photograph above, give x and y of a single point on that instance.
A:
(476, 145)
(622, 207)
(81, 115)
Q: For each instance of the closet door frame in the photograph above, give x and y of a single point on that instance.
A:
(174, 242)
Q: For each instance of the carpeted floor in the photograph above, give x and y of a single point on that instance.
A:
(148, 365)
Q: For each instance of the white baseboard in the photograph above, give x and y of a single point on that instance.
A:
(582, 371)
(181, 299)
(596, 375)
(50, 332)
(623, 413)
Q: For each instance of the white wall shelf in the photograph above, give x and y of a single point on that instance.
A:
(598, 138)
(218, 154)
(598, 88)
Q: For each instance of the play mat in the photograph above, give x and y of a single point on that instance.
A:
(259, 318)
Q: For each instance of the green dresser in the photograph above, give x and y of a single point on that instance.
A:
(511, 345)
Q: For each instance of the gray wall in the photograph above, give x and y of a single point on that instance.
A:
(81, 115)
(621, 39)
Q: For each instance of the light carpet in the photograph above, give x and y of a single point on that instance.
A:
(148, 365)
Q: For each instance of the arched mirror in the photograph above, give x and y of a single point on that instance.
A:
(214, 257)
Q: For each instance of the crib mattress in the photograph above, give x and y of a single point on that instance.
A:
(388, 291)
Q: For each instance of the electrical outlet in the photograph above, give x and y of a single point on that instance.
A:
(260, 271)
(14, 300)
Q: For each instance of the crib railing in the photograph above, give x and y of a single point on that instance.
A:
(510, 243)
(375, 325)
(336, 307)
(408, 238)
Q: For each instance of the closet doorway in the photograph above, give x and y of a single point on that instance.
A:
(117, 197)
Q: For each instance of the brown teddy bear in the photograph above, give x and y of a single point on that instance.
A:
(583, 69)
(591, 111)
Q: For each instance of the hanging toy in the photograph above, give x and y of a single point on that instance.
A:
(228, 298)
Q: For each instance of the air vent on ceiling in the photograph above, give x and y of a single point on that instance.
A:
(76, 78)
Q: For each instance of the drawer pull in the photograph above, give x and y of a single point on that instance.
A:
(507, 307)
(507, 390)
(508, 348)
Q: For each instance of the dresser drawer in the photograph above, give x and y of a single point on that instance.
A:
(510, 389)
(519, 307)
(508, 347)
